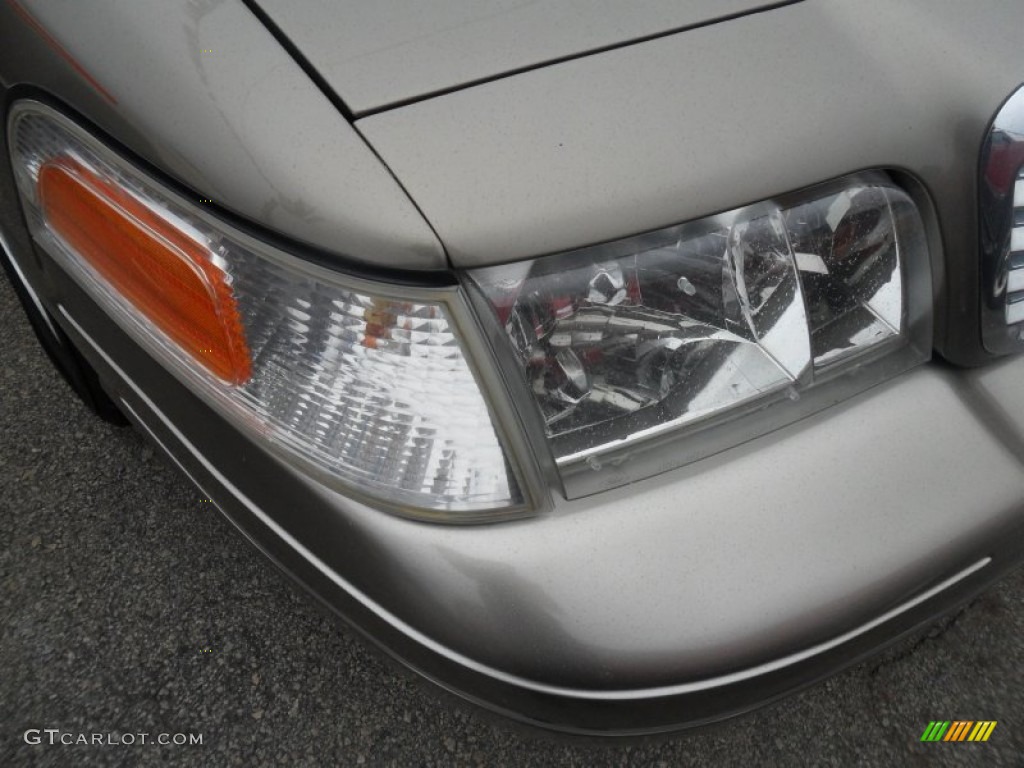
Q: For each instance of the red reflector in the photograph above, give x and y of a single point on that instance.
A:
(162, 271)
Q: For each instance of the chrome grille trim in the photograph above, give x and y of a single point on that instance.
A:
(1001, 188)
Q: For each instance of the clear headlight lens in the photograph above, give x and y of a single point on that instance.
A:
(846, 247)
(361, 383)
(630, 339)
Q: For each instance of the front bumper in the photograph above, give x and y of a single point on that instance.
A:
(674, 601)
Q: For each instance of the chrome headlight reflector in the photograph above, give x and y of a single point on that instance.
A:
(365, 385)
(674, 330)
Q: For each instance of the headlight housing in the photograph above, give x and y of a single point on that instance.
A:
(626, 347)
(363, 384)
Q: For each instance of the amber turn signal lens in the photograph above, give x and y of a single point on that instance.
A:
(164, 272)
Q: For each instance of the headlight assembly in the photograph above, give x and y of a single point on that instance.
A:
(677, 331)
(592, 368)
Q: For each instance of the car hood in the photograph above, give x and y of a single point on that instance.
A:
(379, 54)
(670, 130)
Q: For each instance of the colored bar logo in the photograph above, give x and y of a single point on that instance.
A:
(958, 730)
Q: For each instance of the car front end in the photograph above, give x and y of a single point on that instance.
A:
(617, 383)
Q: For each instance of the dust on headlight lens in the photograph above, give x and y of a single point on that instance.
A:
(630, 339)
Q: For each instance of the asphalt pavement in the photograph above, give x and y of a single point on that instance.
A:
(129, 606)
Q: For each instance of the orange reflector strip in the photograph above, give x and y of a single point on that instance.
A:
(162, 271)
